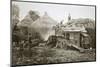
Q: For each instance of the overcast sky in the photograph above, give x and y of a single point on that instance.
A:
(56, 11)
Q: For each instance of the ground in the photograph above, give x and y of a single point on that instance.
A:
(44, 55)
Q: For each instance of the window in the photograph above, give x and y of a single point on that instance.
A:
(67, 36)
(71, 36)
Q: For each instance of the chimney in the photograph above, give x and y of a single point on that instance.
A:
(69, 17)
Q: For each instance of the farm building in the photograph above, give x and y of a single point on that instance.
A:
(76, 35)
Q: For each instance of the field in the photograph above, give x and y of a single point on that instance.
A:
(46, 55)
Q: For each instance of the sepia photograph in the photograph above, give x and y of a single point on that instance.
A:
(52, 33)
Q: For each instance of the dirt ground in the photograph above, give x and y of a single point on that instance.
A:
(44, 55)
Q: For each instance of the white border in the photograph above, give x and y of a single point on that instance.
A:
(5, 33)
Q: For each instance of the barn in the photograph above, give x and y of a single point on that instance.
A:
(76, 35)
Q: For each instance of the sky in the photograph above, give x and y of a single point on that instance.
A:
(58, 12)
